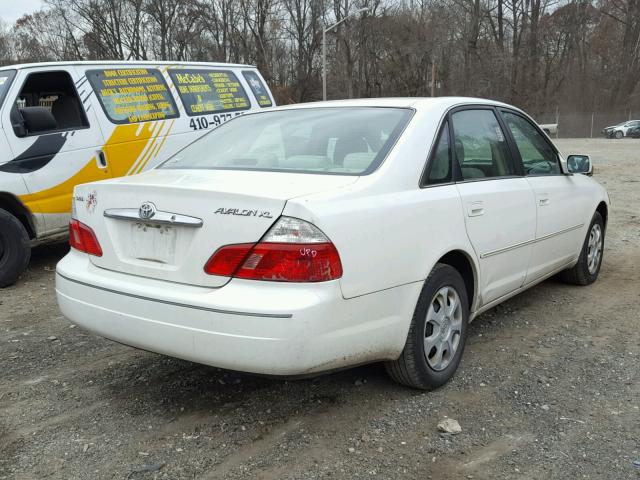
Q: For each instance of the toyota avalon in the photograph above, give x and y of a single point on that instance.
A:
(319, 236)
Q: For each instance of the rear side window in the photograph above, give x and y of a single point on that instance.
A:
(130, 95)
(258, 88)
(480, 146)
(209, 91)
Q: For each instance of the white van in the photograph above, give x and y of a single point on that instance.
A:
(62, 124)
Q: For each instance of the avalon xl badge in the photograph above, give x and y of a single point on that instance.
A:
(147, 210)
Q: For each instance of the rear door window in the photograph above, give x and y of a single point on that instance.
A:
(258, 88)
(480, 146)
(130, 95)
(209, 91)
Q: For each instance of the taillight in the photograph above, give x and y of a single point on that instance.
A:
(292, 251)
(81, 237)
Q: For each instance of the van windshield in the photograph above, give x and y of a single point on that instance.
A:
(339, 141)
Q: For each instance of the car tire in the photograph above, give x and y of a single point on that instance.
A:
(586, 270)
(416, 367)
(15, 250)
(618, 135)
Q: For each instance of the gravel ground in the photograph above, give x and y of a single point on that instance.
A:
(549, 387)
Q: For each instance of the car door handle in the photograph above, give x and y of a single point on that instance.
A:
(475, 209)
(101, 159)
(543, 201)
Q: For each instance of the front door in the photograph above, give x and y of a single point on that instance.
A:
(498, 204)
(559, 198)
(55, 141)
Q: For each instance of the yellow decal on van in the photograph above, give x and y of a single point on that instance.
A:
(128, 150)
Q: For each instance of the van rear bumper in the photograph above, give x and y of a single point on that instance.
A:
(259, 327)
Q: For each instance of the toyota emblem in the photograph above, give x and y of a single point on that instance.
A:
(147, 210)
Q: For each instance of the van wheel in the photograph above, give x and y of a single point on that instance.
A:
(585, 272)
(15, 251)
(437, 334)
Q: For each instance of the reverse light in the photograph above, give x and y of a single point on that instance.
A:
(292, 251)
(82, 238)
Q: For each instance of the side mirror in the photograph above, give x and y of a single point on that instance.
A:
(580, 164)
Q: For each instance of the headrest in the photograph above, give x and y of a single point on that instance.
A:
(304, 162)
(358, 161)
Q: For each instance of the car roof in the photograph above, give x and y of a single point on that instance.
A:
(24, 66)
(418, 103)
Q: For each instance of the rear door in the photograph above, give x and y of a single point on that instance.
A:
(498, 203)
(560, 200)
(63, 152)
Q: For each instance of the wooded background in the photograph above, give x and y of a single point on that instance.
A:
(566, 58)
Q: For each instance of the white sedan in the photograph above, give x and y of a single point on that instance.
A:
(314, 237)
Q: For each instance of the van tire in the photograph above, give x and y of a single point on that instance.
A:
(15, 251)
(413, 368)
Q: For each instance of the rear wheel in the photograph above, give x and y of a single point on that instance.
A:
(437, 333)
(15, 251)
(585, 272)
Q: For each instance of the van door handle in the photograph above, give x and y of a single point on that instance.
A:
(475, 209)
(101, 159)
(543, 201)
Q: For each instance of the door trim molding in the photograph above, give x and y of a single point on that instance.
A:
(529, 242)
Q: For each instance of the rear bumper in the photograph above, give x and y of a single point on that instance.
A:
(259, 327)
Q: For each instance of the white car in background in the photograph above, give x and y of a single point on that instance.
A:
(319, 236)
(620, 130)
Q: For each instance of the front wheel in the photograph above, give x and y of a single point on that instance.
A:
(15, 251)
(586, 271)
(618, 135)
(437, 333)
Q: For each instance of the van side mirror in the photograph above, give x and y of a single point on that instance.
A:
(36, 120)
(580, 164)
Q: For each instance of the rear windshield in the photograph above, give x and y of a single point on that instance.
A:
(339, 141)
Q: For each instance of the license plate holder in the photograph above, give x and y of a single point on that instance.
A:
(153, 242)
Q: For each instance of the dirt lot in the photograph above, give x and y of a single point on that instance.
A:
(549, 387)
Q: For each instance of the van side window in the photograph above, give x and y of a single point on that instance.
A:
(440, 165)
(130, 95)
(209, 91)
(47, 102)
(258, 88)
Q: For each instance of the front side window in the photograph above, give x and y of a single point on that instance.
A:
(209, 91)
(538, 157)
(47, 102)
(339, 141)
(440, 166)
(258, 88)
(131, 95)
(480, 146)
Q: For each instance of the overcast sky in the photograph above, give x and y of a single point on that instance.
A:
(11, 10)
